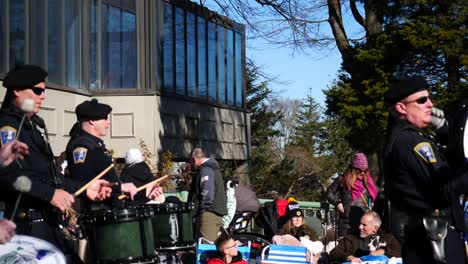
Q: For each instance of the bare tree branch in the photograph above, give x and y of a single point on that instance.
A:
(357, 16)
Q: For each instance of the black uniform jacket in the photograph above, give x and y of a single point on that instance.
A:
(36, 166)
(418, 178)
(87, 157)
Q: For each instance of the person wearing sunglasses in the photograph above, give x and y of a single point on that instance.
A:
(48, 196)
(227, 251)
(418, 178)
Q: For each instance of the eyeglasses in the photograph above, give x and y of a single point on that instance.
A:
(235, 245)
(420, 100)
(37, 90)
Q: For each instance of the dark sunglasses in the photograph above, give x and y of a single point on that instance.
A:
(37, 90)
(420, 100)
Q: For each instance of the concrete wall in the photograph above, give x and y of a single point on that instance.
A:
(164, 123)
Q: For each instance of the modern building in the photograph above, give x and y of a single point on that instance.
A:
(172, 70)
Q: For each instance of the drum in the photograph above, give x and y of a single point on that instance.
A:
(120, 236)
(26, 249)
(172, 226)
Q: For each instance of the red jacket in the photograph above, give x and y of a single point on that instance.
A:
(220, 261)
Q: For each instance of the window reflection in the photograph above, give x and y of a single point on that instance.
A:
(221, 66)
(118, 48)
(16, 43)
(202, 84)
(211, 61)
(168, 51)
(239, 70)
(180, 50)
(230, 66)
(191, 56)
(3, 20)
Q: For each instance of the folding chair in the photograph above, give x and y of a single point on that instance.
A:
(280, 254)
(206, 251)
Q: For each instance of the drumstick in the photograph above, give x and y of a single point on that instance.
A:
(93, 180)
(123, 196)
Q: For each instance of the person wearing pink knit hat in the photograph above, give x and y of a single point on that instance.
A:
(352, 194)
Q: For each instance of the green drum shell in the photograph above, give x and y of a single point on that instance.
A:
(120, 235)
(172, 226)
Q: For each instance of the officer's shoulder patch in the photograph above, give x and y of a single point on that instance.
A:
(79, 155)
(7, 134)
(425, 151)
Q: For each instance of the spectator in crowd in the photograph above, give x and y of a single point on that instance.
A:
(295, 232)
(227, 252)
(296, 225)
(370, 241)
(138, 172)
(208, 195)
(352, 194)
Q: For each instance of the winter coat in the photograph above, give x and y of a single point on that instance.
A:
(218, 259)
(357, 247)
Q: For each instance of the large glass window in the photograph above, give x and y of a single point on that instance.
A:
(191, 55)
(180, 50)
(93, 45)
(168, 48)
(201, 32)
(212, 61)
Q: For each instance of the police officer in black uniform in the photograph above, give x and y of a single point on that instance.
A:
(418, 179)
(19, 120)
(87, 155)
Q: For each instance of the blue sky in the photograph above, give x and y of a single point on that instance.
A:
(298, 72)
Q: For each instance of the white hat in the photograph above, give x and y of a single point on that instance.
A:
(133, 155)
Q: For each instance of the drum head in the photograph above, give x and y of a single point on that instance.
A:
(27, 249)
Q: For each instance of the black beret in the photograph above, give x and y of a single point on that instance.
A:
(24, 76)
(402, 88)
(92, 110)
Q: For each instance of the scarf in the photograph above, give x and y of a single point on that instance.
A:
(359, 188)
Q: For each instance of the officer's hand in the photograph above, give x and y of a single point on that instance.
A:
(340, 207)
(99, 190)
(154, 191)
(129, 188)
(11, 151)
(353, 259)
(62, 199)
(438, 118)
(7, 230)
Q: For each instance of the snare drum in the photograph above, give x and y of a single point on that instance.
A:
(172, 226)
(27, 249)
(120, 236)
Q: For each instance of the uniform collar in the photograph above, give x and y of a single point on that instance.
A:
(94, 138)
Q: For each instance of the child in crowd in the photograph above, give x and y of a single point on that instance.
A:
(227, 251)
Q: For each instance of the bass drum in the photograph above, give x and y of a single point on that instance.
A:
(120, 236)
(172, 226)
(27, 249)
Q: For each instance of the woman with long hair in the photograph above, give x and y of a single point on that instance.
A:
(353, 193)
